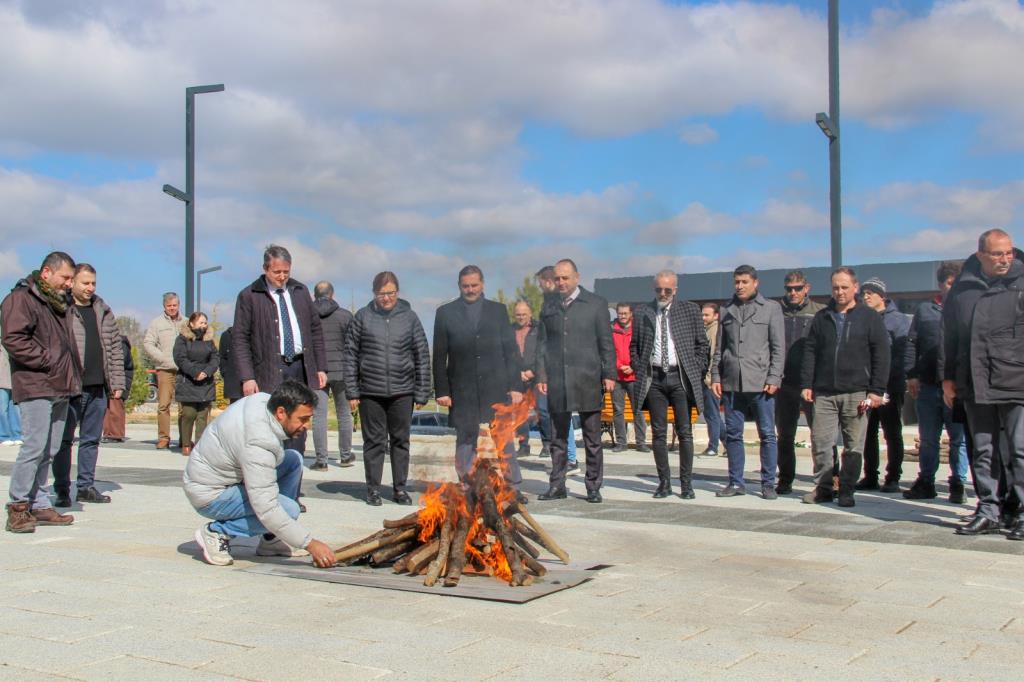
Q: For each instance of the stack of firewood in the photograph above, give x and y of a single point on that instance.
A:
(476, 526)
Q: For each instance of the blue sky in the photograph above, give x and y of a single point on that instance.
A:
(630, 135)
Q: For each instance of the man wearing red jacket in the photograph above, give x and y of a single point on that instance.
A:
(625, 383)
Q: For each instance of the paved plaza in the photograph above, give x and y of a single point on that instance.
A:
(703, 589)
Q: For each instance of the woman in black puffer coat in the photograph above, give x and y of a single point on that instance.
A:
(194, 389)
(387, 370)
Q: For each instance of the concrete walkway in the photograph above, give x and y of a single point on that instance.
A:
(703, 589)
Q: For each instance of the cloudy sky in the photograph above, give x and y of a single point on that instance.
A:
(630, 135)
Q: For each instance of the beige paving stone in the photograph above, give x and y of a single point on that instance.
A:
(282, 664)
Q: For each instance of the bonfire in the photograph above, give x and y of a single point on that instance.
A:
(475, 526)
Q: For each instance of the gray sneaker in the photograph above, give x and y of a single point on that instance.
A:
(214, 545)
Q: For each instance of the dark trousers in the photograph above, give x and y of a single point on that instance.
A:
(540, 408)
(88, 410)
(619, 393)
(668, 389)
(465, 456)
(383, 420)
(890, 417)
(788, 406)
(296, 371)
(998, 433)
(561, 423)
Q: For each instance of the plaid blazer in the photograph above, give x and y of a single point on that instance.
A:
(688, 337)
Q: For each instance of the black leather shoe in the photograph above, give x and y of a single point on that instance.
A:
(318, 466)
(90, 494)
(553, 494)
(979, 526)
(63, 500)
(573, 466)
(402, 497)
(664, 490)
(957, 494)
(920, 490)
(784, 488)
(346, 460)
(890, 486)
(373, 497)
(867, 484)
(642, 448)
(686, 494)
(594, 497)
(619, 448)
(1017, 532)
(730, 491)
(302, 508)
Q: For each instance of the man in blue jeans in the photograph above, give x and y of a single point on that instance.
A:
(746, 374)
(240, 476)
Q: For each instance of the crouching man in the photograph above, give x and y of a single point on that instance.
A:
(240, 476)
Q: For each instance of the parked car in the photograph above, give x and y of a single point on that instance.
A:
(426, 423)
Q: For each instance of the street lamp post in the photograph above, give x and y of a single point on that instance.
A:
(199, 284)
(829, 124)
(189, 195)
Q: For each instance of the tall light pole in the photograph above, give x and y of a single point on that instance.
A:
(199, 284)
(829, 124)
(189, 195)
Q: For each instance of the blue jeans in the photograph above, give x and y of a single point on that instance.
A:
(932, 415)
(736, 406)
(713, 418)
(570, 443)
(233, 515)
(86, 410)
(10, 420)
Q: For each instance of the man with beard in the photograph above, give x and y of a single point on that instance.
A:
(241, 477)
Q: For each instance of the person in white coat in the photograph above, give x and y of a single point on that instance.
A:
(241, 477)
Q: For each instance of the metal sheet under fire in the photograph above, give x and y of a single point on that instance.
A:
(559, 577)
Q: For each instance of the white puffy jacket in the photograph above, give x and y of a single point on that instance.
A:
(243, 445)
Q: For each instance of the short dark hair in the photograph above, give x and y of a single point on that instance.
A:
(994, 232)
(546, 273)
(570, 262)
(289, 395)
(711, 304)
(622, 304)
(276, 252)
(470, 270)
(383, 278)
(745, 270)
(323, 289)
(947, 269)
(85, 267)
(845, 270)
(794, 276)
(195, 316)
(55, 259)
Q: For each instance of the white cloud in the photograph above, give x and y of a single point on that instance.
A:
(698, 133)
(693, 221)
(977, 207)
(10, 265)
(783, 217)
(937, 243)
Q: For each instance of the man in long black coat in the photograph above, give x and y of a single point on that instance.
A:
(276, 334)
(476, 365)
(576, 365)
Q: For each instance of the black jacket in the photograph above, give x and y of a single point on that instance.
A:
(129, 366)
(334, 321)
(901, 356)
(194, 356)
(256, 342)
(797, 320)
(983, 329)
(859, 361)
(576, 352)
(386, 354)
(923, 342)
(689, 339)
(528, 358)
(475, 366)
(228, 370)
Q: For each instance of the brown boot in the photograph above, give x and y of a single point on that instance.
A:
(51, 517)
(19, 520)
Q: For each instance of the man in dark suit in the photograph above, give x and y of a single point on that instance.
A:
(670, 352)
(476, 365)
(576, 363)
(276, 334)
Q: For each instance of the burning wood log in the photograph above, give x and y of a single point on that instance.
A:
(476, 525)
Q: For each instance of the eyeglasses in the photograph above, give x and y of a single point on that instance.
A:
(386, 294)
(998, 255)
(796, 287)
(663, 290)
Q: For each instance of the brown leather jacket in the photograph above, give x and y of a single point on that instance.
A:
(41, 345)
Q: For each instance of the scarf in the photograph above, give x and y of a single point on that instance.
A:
(57, 299)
